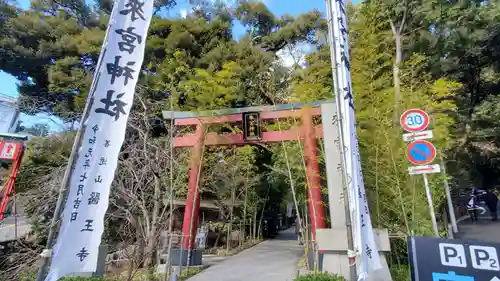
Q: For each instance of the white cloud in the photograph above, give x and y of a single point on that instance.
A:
(297, 54)
(286, 58)
(183, 13)
(228, 2)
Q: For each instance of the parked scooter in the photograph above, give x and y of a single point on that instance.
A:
(475, 201)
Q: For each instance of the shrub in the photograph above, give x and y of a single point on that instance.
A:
(31, 276)
(400, 272)
(28, 275)
(320, 277)
(189, 272)
(79, 278)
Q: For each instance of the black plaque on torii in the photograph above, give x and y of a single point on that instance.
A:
(252, 130)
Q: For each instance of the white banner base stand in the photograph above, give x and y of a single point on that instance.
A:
(332, 243)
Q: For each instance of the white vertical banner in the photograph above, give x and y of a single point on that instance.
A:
(364, 238)
(120, 62)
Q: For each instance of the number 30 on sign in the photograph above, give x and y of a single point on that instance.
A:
(414, 120)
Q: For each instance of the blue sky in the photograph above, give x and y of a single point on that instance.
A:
(278, 7)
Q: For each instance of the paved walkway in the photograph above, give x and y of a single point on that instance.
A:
(483, 229)
(271, 260)
(9, 231)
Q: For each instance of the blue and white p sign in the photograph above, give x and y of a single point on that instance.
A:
(484, 257)
(452, 255)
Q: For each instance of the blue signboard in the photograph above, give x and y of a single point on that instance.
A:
(450, 276)
(439, 259)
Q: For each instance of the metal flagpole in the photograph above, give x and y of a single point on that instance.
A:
(431, 205)
(451, 210)
(63, 189)
(338, 98)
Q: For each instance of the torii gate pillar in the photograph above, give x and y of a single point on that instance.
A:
(192, 209)
(315, 199)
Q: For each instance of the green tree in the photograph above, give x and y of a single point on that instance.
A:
(459, 39)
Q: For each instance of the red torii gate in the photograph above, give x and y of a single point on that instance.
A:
(307, 132)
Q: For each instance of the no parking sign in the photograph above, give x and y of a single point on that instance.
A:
(421, 152)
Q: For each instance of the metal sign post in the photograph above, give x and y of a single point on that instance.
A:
(421, 152)
(453, 219)
(431, 205)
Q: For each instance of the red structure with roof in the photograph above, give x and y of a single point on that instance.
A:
(10, 151)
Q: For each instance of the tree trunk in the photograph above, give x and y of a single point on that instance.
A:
(216, 243)
(251, 229)
(152, 237)
(397, 33)
(245, 216)
(255, 225)
(228, 240)
(397, 77)
(231, 213)
(137, 253)
(242, 232)
(132, 264)
(259, 232)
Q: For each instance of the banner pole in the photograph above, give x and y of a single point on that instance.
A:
(353, 275)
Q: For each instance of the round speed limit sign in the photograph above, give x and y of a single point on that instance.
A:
(414, 120)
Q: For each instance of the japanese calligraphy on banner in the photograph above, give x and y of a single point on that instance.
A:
(120, 62)
(365, 244)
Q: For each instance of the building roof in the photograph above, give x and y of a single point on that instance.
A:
(17, 136)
